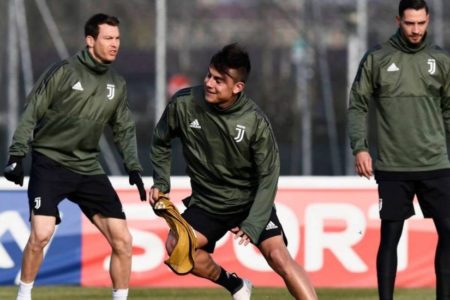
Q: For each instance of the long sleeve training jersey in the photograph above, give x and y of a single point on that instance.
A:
(232, 156)
(67, 111)
(410, 87)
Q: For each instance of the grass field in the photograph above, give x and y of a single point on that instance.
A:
(259, 293)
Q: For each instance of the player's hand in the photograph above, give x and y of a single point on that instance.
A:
(154, 195)
(135, 178)
(238, 233)
(363, 164)
(13, 170)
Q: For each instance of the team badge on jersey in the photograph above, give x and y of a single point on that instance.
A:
(37, 202)
(240, 133)
(111, 88)
(431, 66)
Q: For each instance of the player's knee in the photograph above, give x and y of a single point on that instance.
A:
(279, 261)
(122, 244)
(170, 244)
(38, 240)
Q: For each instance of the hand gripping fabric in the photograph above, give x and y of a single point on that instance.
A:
(181, 261)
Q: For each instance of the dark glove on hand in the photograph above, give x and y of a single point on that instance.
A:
(13, 170)
(135, 178)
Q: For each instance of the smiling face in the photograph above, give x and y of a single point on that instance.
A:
(222, 89)
(413, 24)
(105, 47)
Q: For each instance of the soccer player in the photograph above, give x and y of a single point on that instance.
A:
(233, 163)
(65, 116)
(409, 81)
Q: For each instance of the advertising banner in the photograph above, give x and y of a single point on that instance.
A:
(62, 256)
(331, 223)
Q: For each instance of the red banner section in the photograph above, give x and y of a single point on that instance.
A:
(331, 223)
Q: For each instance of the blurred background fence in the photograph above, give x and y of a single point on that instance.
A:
(304, 56)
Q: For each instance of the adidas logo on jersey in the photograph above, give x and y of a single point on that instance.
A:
(195, 124)
(77, 86)
(271, 225)
(393, 68)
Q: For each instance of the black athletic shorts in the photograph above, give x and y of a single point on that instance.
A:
(396, 198)
(214, 226)
(50, 183)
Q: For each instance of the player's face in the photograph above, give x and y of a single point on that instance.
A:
(106, 46)
(413, 24)
(221, 89)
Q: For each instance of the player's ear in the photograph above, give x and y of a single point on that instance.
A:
(399, 20)
(238, 87)
(90, 41)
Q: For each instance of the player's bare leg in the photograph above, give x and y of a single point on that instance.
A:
(42, 229)
(119, 237)
(207, 268)
(279, 259)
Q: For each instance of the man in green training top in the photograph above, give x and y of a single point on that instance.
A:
(65, 116)
(233, 163)
(409, 81)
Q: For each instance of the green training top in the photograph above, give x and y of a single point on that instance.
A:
(232, 156)
(67, 111)
(410, 87)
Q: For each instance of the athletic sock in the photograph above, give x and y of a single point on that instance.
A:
(24, 292)
(230, 281)
(119, 294)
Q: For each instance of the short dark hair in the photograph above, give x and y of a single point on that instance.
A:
(91, 26)
(232, 56)
(414, 4)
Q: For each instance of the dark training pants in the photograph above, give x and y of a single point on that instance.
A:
(387, 258)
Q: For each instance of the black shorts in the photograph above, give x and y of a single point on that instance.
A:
(396, 198)
(50, 183)
(214, 226)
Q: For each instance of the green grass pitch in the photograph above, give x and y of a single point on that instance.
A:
(259, 293)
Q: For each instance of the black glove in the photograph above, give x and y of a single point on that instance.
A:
(135, 178)
(13, 170)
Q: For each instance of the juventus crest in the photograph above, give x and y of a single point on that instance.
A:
(37, 202)
(240, 133)
(431, 66)
(111, 88)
